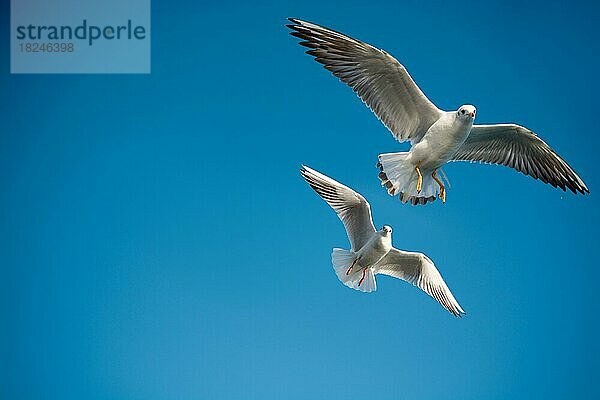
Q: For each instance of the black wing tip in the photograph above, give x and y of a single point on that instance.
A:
(581, 191)
(295, 27)
(581, 188)
(310, 175)
(303, 171)
(574, 186)
(456, 312)
(310, 28)
(297, 24)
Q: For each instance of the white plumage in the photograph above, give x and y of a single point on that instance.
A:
(372, 252)
(437, 136)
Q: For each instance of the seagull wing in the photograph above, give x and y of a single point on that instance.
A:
(519, 148)
(418, 269)
(382, 83)
(350, 206)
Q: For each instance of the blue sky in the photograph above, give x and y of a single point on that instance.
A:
(158, 242)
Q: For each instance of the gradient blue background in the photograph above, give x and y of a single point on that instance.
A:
(157, 241)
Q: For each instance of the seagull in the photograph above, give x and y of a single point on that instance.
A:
(436, 136)
(372, 252)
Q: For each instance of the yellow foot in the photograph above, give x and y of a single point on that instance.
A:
(419, 179)
(442, 188)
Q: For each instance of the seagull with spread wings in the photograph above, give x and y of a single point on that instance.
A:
(372, 252)
(436, 136)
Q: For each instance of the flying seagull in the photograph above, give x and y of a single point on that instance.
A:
(372, 252)
(436, 136)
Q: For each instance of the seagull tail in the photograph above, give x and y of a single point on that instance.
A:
(342, 260)
(397, 173)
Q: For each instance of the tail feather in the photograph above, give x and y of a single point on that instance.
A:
(398, 175)
(342, 260)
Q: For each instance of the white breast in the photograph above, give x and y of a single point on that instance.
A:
(375, 249)
(441, 142)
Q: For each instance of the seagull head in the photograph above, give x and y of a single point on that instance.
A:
(466, 112)
(386, 230)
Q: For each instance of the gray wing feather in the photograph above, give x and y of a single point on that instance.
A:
(382, 83)
(352, 208)
(517, 147)
(419, 270)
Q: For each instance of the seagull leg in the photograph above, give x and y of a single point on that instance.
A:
(363, 277)
(442, 187)
(352, 266)
(419, 178)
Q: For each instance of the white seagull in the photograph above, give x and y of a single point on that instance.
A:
(372, 252)
(436, 136)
